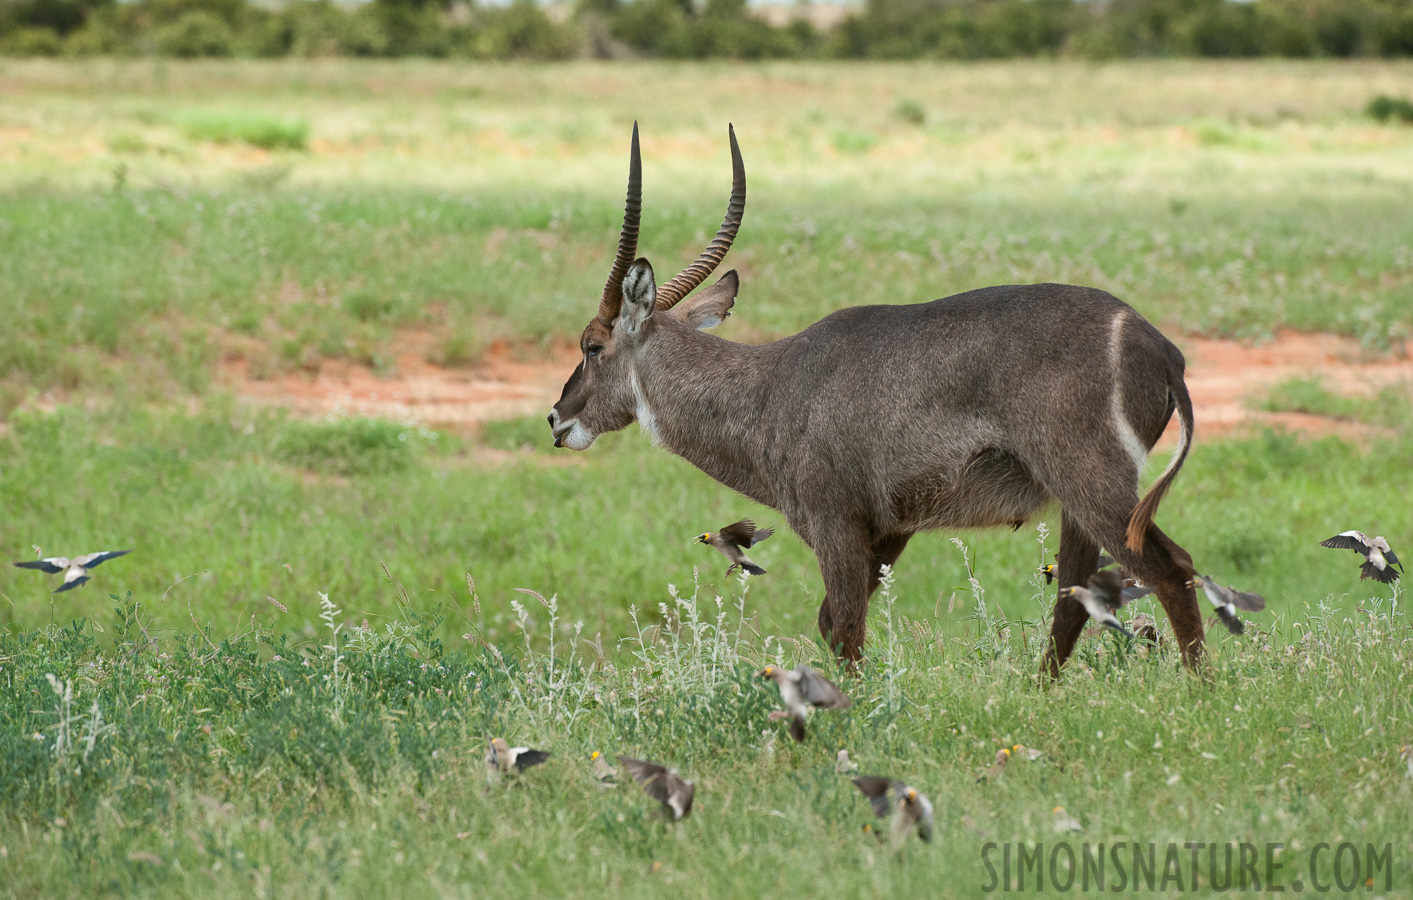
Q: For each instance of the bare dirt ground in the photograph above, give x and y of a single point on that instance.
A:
(1222, 375)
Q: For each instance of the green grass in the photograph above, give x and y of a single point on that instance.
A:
(254, 128)
(1391, 406)
(476, 205)
(1232, 199)
(348, 762)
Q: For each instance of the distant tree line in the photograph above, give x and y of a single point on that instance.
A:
(695, 29)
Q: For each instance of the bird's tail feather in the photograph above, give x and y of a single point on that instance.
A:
(1383, 576)
(1229, 619)
(753, 568)
(797, 729)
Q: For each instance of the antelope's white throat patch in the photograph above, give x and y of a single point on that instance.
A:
(646, 420)
(1127, 436)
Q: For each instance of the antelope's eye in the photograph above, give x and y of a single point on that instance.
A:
(593, 350)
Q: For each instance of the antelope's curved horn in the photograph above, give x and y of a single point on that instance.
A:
(686, 281)
(627, 239)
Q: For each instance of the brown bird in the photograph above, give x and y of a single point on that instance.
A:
(1379, 559)
(803, 689)
(733, 540)
(500, 758)
(663, 785)
(75, 570)
(1228, 601)
(1003, 756)
(910, 810)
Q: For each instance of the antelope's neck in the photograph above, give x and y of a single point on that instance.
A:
(704, 399)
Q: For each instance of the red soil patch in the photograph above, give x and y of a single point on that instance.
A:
(1222, 376)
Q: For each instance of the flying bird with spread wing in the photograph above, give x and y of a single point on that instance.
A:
(663, 785)
(733, 540)
(908, 808)
(802, 689)
(1106, 593)
(1379, 559)
(75, 570)
(1228, 601)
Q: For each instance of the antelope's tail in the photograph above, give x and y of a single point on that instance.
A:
(1147, 508)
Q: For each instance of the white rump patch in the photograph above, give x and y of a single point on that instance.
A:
(646, 420)
(1127, 436)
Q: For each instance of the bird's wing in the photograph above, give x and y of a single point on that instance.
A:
(1105, 560)
(651, 776)
(525, 757)
(761, 535)
(679, 795)
(875, 788)
(1108, 586)
(1248, 601)
(1348, 540)
(1392, 559)
(820, 691)
(739, 533)
(94, 559)
(1133, 592)
(52, 565)
(70, 585)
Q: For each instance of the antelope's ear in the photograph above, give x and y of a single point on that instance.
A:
(639, 295)
(709, 308)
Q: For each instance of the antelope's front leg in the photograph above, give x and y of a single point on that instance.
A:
(843, 617)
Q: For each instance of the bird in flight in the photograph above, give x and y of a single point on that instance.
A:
(663, 785)
(1228, 601)
(801, 690)
(733, 540)
(75, 570)
(1379, 559)
(1106, 593)
(910, 810)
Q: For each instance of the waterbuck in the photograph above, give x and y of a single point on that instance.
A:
(878, 422)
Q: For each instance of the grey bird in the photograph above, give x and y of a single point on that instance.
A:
(1106, 593)
(663, 785)
(1228, 601)
(501, 758)
(1379, 559)
(605, 776)
(732, 542)
(801, 690)
(75, 570)
(908, 808)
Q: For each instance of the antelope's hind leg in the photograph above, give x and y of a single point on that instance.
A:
(1079, 558)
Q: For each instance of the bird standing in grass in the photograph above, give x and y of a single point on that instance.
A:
(1379, 559)
(605, 776)
(1003, 756)
(1066, 823)
(1228, 601)
(501, 758)
(733, 540)
(801, 690)
(663, 785)
(75, 570)
(910, 810)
